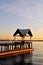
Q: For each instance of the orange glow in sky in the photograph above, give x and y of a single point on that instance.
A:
(21, 14)
(11, 37)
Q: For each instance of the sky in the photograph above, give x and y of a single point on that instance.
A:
(21, 14)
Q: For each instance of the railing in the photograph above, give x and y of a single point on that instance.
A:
(11, 47)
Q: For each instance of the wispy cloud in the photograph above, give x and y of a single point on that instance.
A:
(24, 7)
(30, 9)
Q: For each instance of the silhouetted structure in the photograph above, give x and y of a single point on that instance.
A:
(17, 47)
(22, 33)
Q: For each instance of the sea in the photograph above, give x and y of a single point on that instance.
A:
(36, 58)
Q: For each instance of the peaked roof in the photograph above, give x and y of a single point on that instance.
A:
(23, 32)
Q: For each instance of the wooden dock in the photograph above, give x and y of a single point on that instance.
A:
(17, 47)
(10, 49)
(15, 52)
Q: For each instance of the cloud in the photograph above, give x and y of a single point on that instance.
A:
(24, 7)
(30, 9)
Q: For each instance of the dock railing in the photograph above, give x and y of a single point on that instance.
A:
(15, 45)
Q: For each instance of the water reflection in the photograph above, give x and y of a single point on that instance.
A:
(24, 60)
(18, 60)
(35, 59)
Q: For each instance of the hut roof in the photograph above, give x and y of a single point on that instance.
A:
(23, 32)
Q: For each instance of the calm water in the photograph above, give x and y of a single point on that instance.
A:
(35, 59)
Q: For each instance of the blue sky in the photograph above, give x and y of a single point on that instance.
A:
(21, 14)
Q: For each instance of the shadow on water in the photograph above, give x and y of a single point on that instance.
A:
(18, 60)
(24, 60)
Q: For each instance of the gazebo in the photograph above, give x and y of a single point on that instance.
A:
(17, 47)
(22, 33)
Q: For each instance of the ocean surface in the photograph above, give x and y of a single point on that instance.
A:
(35, 59)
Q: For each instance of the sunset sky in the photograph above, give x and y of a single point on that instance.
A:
(21, 14)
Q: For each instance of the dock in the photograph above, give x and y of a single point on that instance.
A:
(17, 47)
(15, 53)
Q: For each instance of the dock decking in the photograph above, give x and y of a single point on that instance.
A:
(15, 52)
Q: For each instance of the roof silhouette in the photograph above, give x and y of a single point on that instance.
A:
(23, 32)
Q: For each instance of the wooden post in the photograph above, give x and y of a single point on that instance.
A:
(30, 38)
(20, 46)
(4, 48)
(12, 47)
(1, 48)
(30, 44)
(9, 47)
(15, 46)
(23, 38)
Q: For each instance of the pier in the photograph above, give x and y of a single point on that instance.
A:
(17, 47)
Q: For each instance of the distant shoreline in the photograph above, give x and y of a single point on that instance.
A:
(19, 40)
(37, 40)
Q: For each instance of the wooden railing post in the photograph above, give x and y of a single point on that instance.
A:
(1, 48)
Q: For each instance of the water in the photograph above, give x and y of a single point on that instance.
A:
(35, 59)
(38, 53)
